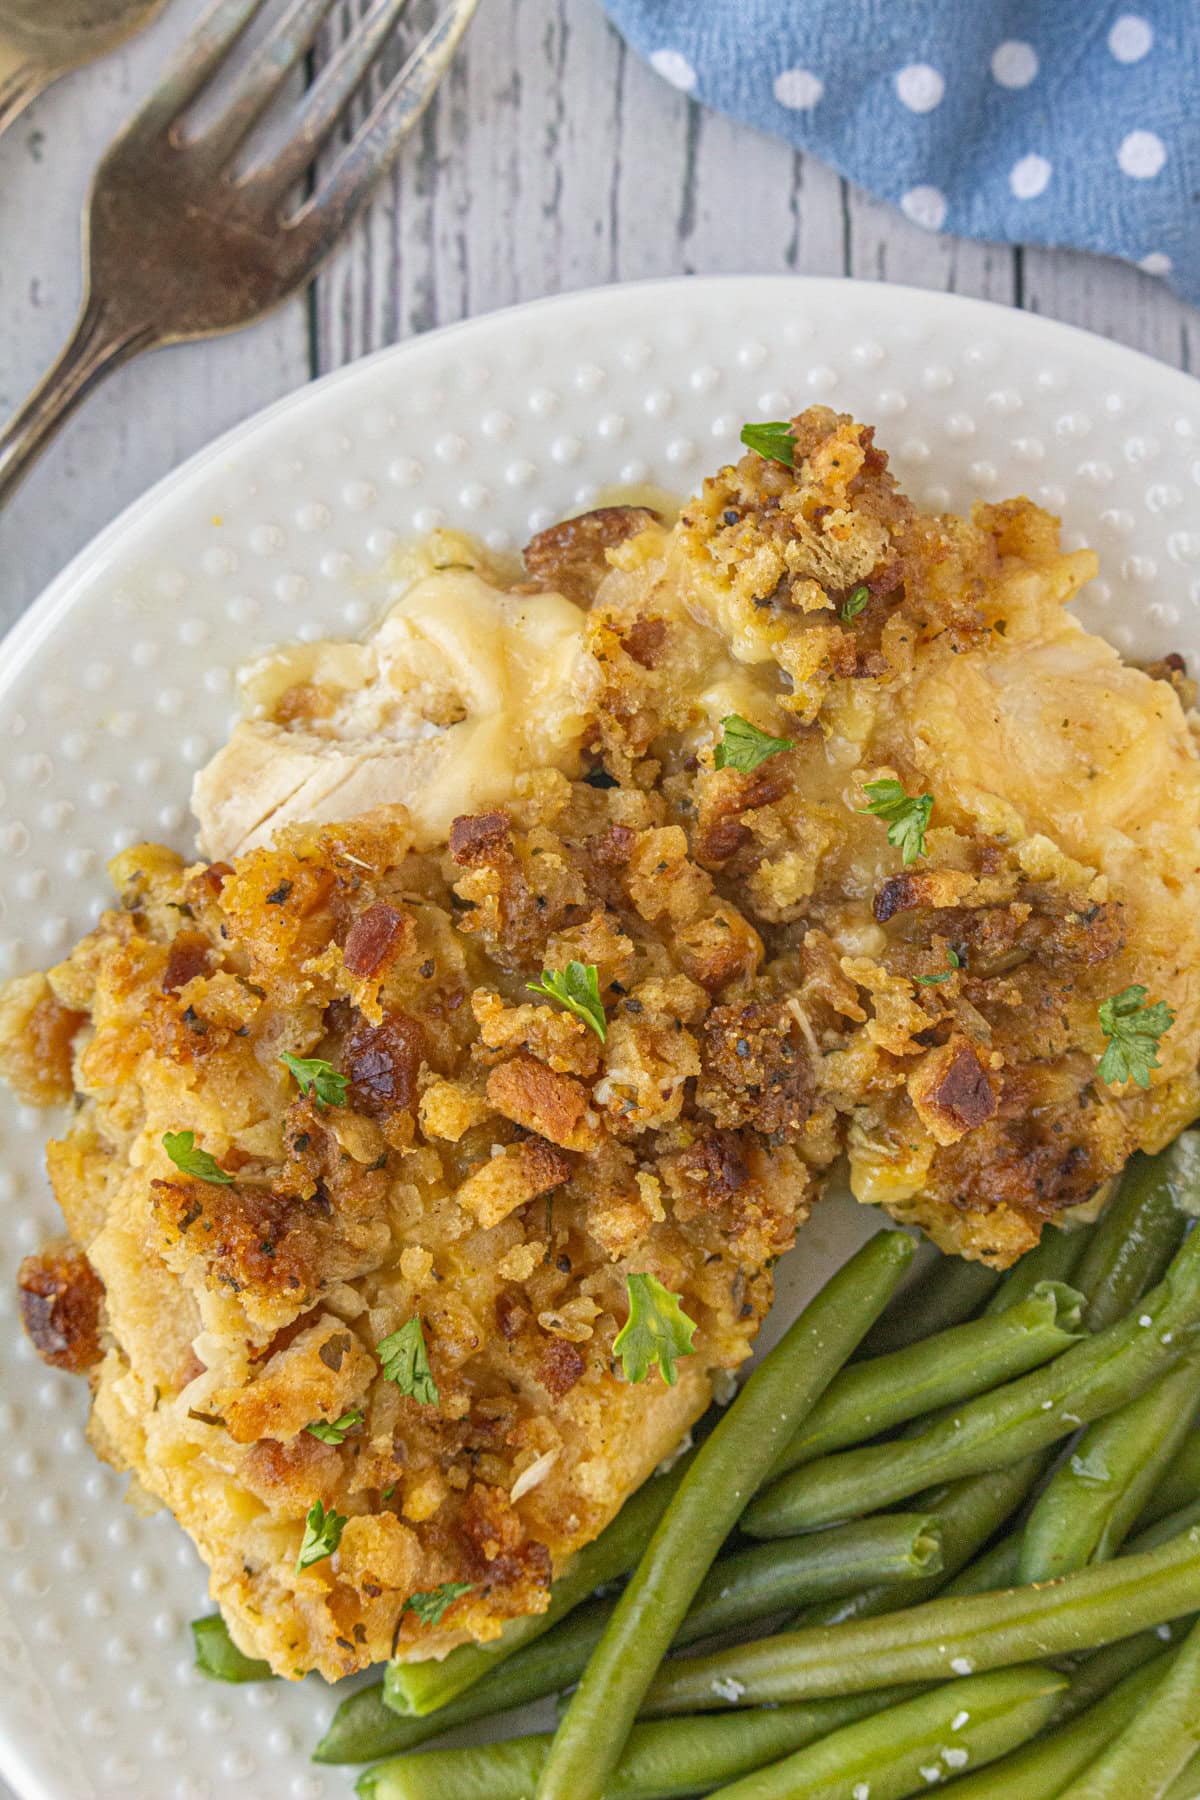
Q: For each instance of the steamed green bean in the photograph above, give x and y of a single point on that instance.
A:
(1139, 1231)
(901, 1550)
(1159, 1741)
(869, 1398)
(1090, 1505)
(1054, 1258)
(1041, 1769)
(948, 1293)
(1087, 1381)
(915, 1744)
(663, 1758)
(729, 1466)
(1180, 1486)
(1084, 1610)
(968, 1513)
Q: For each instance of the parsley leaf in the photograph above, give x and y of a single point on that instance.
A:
(907, 816)
(318, 1078)
(406, 1363)
(322, 1535)
(955, 961)
(772, 439)
(853, 604)
(430, 1607)
(1133, 1031)
(180, 1146)
(743, 746)
(577, 987)
(334, 1431)
(656, 1331)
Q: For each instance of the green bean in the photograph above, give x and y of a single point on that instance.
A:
(968, 1513)
(1087, 1381)
(1187, 1785)
(1090, 1505)
(1140, 1230)
(360, 1732)
(662, 1758)
(900, 1549)
(218, 1657)
(996, 1568)
(951, 1292)
(1170, 1527)
(1158, 1742)
(915, 1744)
(729, 1466)
(418, 1688)
(960, 1635)
(869, 1398)
(1054, 1258)
(1180, 1486)
(1098, 1673)
(1040, 1770)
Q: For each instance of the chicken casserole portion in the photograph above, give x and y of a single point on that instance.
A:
(788, 975)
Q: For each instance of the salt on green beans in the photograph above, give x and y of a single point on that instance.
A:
(913, 1745)
(1086, 1382)
(1158, 1742)
(869, 1398)
(218, 1657)
(1041, 1769)
(968, 1514)
(1055, 1257)
(960, 1635)
(948, 1293)
(896, 1550)
(422, 1687)
(663, 1758)
(1140, 1230)
(1090, 1505)
(729, 1466)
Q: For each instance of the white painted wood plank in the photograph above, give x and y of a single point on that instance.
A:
(882, 245)
(147, 417)
(1114, 299)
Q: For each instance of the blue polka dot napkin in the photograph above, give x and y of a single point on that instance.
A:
(1034, 121)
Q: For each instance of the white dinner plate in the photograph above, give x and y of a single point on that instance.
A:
(119, 684)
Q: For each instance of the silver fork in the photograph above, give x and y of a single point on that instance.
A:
(178, 242)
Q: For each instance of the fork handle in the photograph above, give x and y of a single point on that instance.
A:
(19, 84)
(95, 347)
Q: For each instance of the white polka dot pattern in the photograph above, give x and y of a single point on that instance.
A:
(120, 684)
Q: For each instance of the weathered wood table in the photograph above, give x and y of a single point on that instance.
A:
(553, 159)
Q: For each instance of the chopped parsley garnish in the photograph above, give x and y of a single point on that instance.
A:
(656, 1331)
(577, 987)
(955, 961)
(743, 746)
(773, 439)
(405, 1362)
(322, 1535)
(180, 1146)
(334, 1431)
(1133, 1030)
(430, 1607)
(318, 1078)
(853, 604)
(907, 816)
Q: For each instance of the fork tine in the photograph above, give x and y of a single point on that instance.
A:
(325, 216)
(328, 98)
(258, 85)
(195, 63)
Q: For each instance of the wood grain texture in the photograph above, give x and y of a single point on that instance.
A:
(553, 159)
